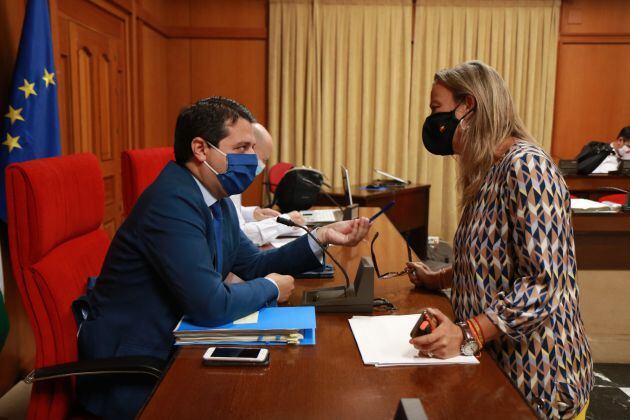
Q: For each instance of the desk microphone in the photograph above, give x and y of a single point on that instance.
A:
(289, 222)
(349, 212)
(330, 197)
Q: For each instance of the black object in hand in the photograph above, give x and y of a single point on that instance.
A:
(425, 325)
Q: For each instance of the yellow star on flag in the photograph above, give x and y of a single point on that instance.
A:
(14, 114)
(49, 78)
(28, 89)
(12, 142)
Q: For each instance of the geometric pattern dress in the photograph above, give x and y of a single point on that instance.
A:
(514, 260)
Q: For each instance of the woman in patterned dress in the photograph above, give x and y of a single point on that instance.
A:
(513, 280)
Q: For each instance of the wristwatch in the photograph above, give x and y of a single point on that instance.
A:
(469, 346)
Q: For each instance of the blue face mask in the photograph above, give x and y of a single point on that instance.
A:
(260, 167)
(240, 173)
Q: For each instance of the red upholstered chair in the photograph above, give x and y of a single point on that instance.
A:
(614, 198)
(140, 167)
(55, 209)
(276, 173)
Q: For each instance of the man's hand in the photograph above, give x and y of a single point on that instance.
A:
(444, 342)
(296, 217)
(285, 285)
(346, 233)
(262, 214)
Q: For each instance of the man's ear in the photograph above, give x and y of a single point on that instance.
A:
(198, 146)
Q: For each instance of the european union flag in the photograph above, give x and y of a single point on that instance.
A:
(30, 128)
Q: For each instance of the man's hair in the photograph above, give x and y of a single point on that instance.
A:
(209, 119)
(625, 133)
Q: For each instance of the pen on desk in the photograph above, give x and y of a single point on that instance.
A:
(383, 210)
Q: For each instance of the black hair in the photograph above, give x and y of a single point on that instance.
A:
(625, 133)
(208, 119)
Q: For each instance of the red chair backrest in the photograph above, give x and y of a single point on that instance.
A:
(55, 209)
(140, 167)
(615, 198)
(276, 173)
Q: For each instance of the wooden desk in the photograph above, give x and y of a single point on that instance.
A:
(588, 186)
(329, 380)
(602, 241)
(410, 215)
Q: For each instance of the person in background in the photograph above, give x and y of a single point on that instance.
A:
(513, 280)
(259, 224)
(621, 146)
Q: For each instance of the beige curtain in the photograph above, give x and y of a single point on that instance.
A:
(339, 87)
(347, 86)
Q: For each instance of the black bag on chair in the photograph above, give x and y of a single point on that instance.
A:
(592, 155)
(298, 189)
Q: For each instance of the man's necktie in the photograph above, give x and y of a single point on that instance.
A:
(217, 216)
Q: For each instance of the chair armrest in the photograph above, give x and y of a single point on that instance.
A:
(145, 365)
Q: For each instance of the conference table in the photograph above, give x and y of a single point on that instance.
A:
(329, 380)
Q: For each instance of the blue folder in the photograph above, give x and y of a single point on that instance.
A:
(298, 318)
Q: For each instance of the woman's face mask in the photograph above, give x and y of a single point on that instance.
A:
(439, 129)
(240, 172)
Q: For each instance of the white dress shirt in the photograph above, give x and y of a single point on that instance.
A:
(263, 231)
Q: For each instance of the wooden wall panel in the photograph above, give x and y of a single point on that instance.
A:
(592, 95)
(178, 73)
(155, 124)
(233, 68)
(593, 66)
(228, 14)
(595, 17)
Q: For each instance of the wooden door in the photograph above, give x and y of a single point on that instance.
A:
(93, 95)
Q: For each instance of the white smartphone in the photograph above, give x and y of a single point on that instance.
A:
(235, 356)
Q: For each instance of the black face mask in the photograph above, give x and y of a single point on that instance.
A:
(438, 132)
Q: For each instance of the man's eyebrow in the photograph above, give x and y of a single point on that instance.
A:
(245, 143)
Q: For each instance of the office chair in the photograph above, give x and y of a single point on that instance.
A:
(55, 209)
(276, 173)
(140, 167)
(614, 198)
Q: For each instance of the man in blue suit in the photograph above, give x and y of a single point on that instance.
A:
(170, 256)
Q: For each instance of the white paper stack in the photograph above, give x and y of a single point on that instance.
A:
(384, 341)
(582, 205)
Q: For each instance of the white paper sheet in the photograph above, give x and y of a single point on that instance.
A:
(384, 341)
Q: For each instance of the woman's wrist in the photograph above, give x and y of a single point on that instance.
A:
(445, 278)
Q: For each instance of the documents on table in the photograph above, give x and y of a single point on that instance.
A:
(582, 205)
(283, 325)
(286, 238)
(384, 341)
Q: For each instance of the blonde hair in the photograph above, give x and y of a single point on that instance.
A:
(493, 120)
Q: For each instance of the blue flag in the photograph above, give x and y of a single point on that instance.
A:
(30, 127)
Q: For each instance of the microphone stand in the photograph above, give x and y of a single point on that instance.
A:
(289, 222)
(358, 298)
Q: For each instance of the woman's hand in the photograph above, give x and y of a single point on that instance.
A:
(423, 276)
(444, 342)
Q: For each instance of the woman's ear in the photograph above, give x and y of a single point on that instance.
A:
(198, 146)
(471, 102)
